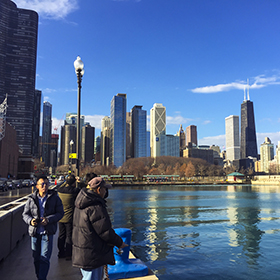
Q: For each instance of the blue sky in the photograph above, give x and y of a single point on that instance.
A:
(193, 56)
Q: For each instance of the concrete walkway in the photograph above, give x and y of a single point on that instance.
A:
(19, 264)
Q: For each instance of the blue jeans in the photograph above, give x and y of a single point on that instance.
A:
(42, 249)
(94, 274)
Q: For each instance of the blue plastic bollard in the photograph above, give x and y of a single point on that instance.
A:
(125, 268)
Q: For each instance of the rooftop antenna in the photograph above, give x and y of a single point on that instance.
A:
(244, 93)
(248, 89)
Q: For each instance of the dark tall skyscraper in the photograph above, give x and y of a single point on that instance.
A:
(248, 145)
(18, 52)
(47, 132)
(36, 123)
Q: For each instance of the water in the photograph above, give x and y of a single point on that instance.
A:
(202, 232)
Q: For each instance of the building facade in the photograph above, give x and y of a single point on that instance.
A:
(138, 132)
(87, 144)
(18, 53)
(118, 130)
(68, 133)
(36, 124)
(248, 145)
(232, 138)
(266, 154)
(191, 135)
(105, 140)
(182, 137)
(47, 133)
(157, 127)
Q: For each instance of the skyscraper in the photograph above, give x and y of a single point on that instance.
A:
(87, 143)
(18, 52)
(105, 140)
(182, 137)
(36, 123)
(248, 145)
(191, 134)
(46, 132)
(266, 154)
(118, 130)
(157, 127)
(139, 132)
(232, 138)
(68, 133)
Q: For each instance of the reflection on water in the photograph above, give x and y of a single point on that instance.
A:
(202, 232)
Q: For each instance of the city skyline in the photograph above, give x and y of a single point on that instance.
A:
(194, 57)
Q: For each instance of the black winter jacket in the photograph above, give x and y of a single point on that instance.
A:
(53, 211)
(93, 236)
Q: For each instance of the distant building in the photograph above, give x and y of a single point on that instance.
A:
(54, 150)
(218, 160)
(128, 135)
(87, 144)
(191, 134)
(202, 152)
(157, 127)
(248, 147)
(105, 140)
(36, 124)
(97, 143)
(169, 145)
(118, 130)
(232, 138)
(18, 53)
(266, 154)
(46, 132)
(182, 137)
(138, 132)
(68, 133)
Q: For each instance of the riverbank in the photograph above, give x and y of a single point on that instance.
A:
(177, 183)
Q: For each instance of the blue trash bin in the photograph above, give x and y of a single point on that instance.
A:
(125, 268)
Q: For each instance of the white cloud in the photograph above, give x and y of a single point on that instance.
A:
(94, 120)
(53, 9)
(219, 140)
(258, 82)
(176, 120)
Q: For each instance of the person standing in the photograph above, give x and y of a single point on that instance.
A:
(41, 213)
(93, 235)
(67, 193)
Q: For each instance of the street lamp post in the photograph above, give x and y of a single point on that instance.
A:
(70, 158)
(79, 69)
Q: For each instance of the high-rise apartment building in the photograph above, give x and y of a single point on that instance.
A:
(87, 144)
(18, 52)
(191, 135)
(248, 145)
(105, 140)
(46, 132)
(118, 130)
(232, 138)
(138, 132)
(157, 127)
(266, 154)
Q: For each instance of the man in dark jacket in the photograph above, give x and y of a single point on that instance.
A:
(93, 235)
(42, 211)
(67, 193)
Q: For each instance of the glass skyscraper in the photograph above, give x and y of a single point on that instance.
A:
(139, 132)
(118, 130)
(18, 52)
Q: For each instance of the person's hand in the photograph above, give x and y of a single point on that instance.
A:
(34, 222)
(44, 221)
